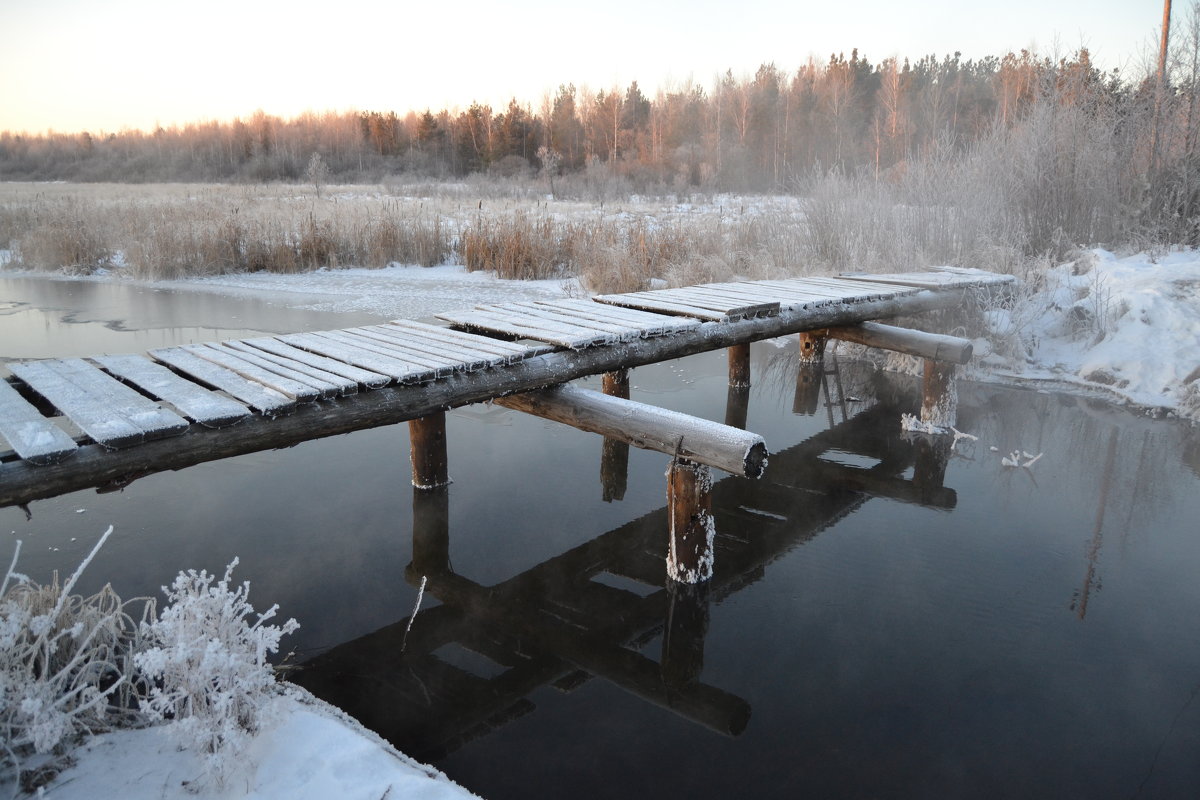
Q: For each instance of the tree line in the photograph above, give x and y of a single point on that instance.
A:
(753, 133)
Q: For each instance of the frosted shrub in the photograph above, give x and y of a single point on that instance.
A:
(65, 662)
(207, 664)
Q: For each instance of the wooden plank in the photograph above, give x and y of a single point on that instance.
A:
(261, 398)
(565, 316)
(937, 278)
(470, 357)
(483, 343)
(327, 384)
(363, 377)
(750, 296)
(729, 307)
(649, 323)
(647, 302)
(89, 412)
(32, 436)
(863, 289)
(229, 359)
(800, 289)
(333, 348)
(387, 347)
(154, 420)
(197, 403)
(434, 355)
(791, 298)
(528, 327)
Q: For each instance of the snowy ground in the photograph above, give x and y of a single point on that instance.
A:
(312, 751)
(1127, 328)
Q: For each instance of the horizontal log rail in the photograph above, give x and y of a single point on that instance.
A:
(736, 451)
(936, 346)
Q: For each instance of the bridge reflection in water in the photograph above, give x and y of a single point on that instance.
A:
(591, 611)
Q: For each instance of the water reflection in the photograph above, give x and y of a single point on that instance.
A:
(590, 611)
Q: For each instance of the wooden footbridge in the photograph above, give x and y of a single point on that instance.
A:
(69, 424)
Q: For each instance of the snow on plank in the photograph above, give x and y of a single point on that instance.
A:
(351, 336)
(938, 278)
(721, 296)
(329, 384)
(525, 326)
(202, 405)
(33, 437)
(566, 316)
(732, 308)
(469, 359)
(261, 398)
(363, 377)
(845, 294)
(325, 384)
(511, 351)
(252, 372)
(395, 369)
(787, 298)
(92, 414)
(648, 301)
(871, 290)
(649, 323)
(417, 353)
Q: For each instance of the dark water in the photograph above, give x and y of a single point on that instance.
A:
(885, 620)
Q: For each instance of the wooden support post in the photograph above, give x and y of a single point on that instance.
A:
(691, 529)
(614, 454)
(431, 530)
(812, 347)
(616, 383)
(739, 364)
(648, 427)
(939, 397)
(427, 447)
(737, 406)
(683, 634)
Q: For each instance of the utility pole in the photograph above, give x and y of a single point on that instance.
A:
(1161, 88)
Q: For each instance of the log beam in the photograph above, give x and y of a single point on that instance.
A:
(812, 347)
(936, 346)
(648, 427)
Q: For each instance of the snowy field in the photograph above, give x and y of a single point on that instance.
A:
(1127, 328)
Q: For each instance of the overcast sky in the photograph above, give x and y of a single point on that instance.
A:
(73, 65)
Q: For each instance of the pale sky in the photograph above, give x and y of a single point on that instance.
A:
(72, 65)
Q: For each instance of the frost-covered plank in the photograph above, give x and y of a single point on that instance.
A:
(153, 419)
(528, 327)
(394, 368)
(794, 292)
(326, 384)
(362, 377)
(650, 302)
(732, 307)
(421, 352)
(566, 316)
(787, 298)
(33, 437)
(92, 414)
(196, 402)
(938, 278)
(487, 344)
(229, 359)
(649, 323)
(555, 327)
(356, 338)
(469, 359)
(261, 398)
(846, 294)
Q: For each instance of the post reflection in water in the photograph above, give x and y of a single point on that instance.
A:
(469, 664)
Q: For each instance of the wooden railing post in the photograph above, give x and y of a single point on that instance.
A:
(427, 450)
(739, 364)
(691, 528)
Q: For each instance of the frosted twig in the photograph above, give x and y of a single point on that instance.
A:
(416, 608)
(1032, 460)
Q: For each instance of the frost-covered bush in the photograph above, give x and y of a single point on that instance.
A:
(66, 662)
(206, 661)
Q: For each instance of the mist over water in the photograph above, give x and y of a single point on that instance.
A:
(885, 620)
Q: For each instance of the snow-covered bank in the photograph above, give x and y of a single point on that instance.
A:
(1127, 328)
(313, 750)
